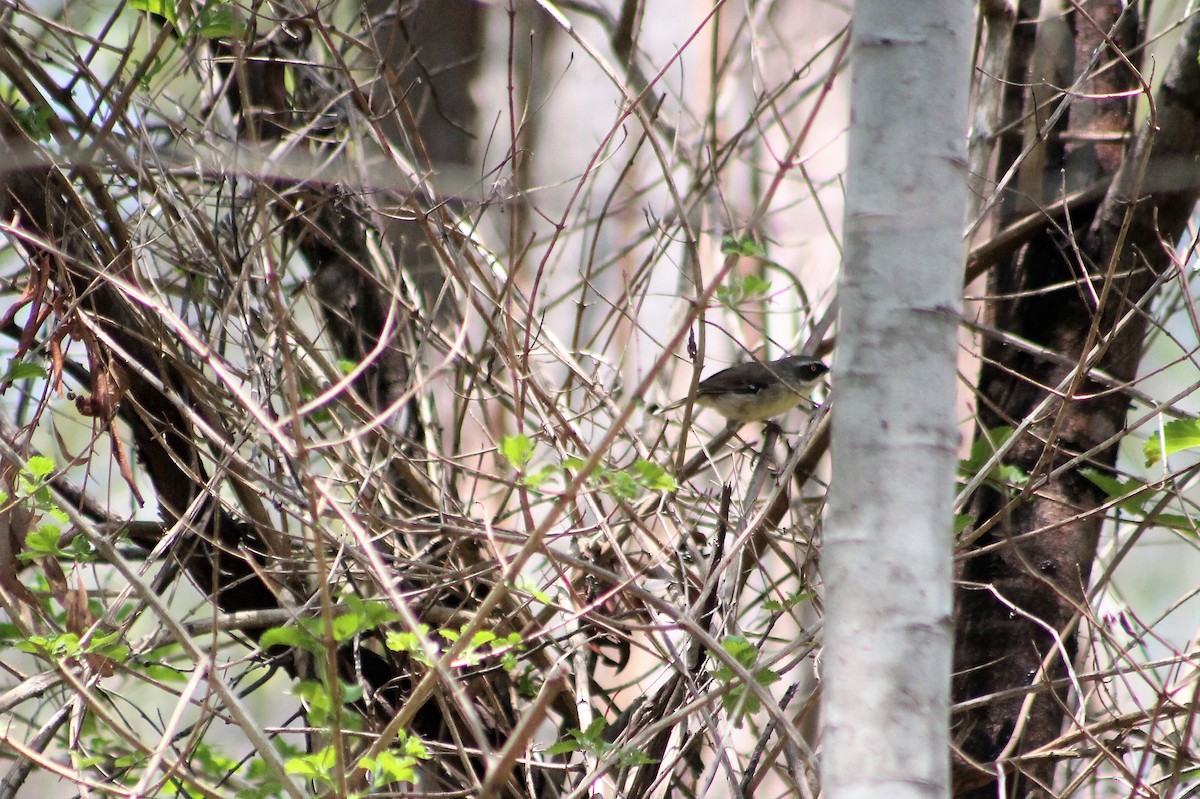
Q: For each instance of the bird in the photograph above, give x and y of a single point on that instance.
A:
(756, 391)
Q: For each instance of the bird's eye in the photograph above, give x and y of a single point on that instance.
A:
(815, 369)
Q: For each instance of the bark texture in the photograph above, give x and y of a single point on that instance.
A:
(1023, 584)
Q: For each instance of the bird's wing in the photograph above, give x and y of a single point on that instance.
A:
(721, 383)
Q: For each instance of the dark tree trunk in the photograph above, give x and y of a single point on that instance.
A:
(1072, 290)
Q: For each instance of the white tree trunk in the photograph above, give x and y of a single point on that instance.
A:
(887, 553)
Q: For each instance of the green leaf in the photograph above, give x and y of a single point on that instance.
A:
(345, 627)
(740, 699)
(372, 613)
(741, 288)
(301, 767)
(527, 686)
(60, 645)
(81, 550)
(1132, 494)
(218, 20)
(413, 746)
(594, 734)
(1176, 436)
(42, 543)
(292, 635)
(39, 466)
(22, 370)
(363, 615)
(406, 641)
(517, 450)
(281, 636)
(36, 122)
(1177, 522)
(535, 480)
(591, 739)
(396, 763)
(745, 246)
(635, 757)
(482, 638)
(106, 643)
(164, 674)
(163, 8)
(741, 650)
(776, 606)
(318, 702)
(529, 587)
(563, 747)
(46, 542)
(987, 445)
(621, 485)
(753, 285)
(390, 767)
(654, 477)
(982, 449)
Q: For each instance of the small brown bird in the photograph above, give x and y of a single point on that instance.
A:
(756, 391)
